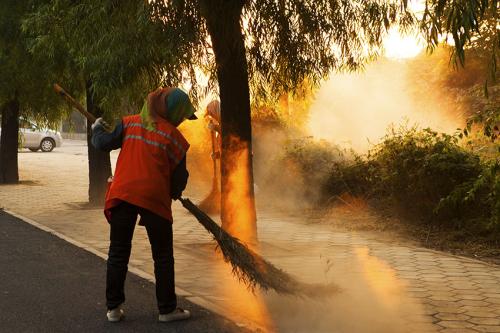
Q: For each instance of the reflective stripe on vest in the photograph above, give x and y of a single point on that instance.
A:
(165, 135)
(152, 143)
(169, 143)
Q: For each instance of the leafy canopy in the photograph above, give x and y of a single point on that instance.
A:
(114, 47)
(470, 24)
(125, 45)
(23, 76)
(128, 47)
(288, 42)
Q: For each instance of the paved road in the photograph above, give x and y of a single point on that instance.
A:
(49, 285)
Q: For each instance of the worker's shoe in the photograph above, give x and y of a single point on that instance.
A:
(115, 315)
(177, 314)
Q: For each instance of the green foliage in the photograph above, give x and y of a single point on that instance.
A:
(129, 47)
(121, 49)
(471, 24)
(291, 41)
(424, 175)
(24, 77)
(126, 48)
(286, 41)
(485, 111)
(460, 91)
(433, 178)
(353, 176)
(478, 199)
(312, 158)
(416, 169)
(437, 70)
(301, 166)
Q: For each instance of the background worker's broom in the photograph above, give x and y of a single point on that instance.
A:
(250, 267)
(247, 265)
(211, 204)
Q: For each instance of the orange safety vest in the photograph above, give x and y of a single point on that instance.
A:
(145, 165)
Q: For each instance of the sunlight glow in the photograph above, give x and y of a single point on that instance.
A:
(397, 46)
(400, 46)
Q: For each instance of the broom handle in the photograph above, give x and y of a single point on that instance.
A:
(205, 221)
(61, 92)
(214, 158)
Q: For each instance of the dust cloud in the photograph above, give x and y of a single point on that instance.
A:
(371, 299)
(354, 110)
(199, 160)
(278, 181)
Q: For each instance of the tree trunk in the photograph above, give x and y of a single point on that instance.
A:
(99, 161)
(9, 173)
(238, 202)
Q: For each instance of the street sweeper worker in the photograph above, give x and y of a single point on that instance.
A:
(150, 172)
(212, 115)
(211, 204)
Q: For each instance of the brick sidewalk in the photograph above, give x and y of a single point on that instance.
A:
(385, 287)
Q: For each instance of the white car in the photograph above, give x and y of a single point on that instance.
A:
(35, 138)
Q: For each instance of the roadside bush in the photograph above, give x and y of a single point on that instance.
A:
(416, 169)
(421, 174)
(300, 169)
(480, 199)
(354, 176)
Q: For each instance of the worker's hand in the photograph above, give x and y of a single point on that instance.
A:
(100, 122)
(213, 126)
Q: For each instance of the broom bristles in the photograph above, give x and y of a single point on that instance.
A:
(251, 268)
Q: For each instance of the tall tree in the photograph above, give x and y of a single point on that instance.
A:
(11, 50)
(99, 162)
(24, 86)
(8, 142)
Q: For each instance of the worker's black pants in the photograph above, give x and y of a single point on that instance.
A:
(123, 220)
